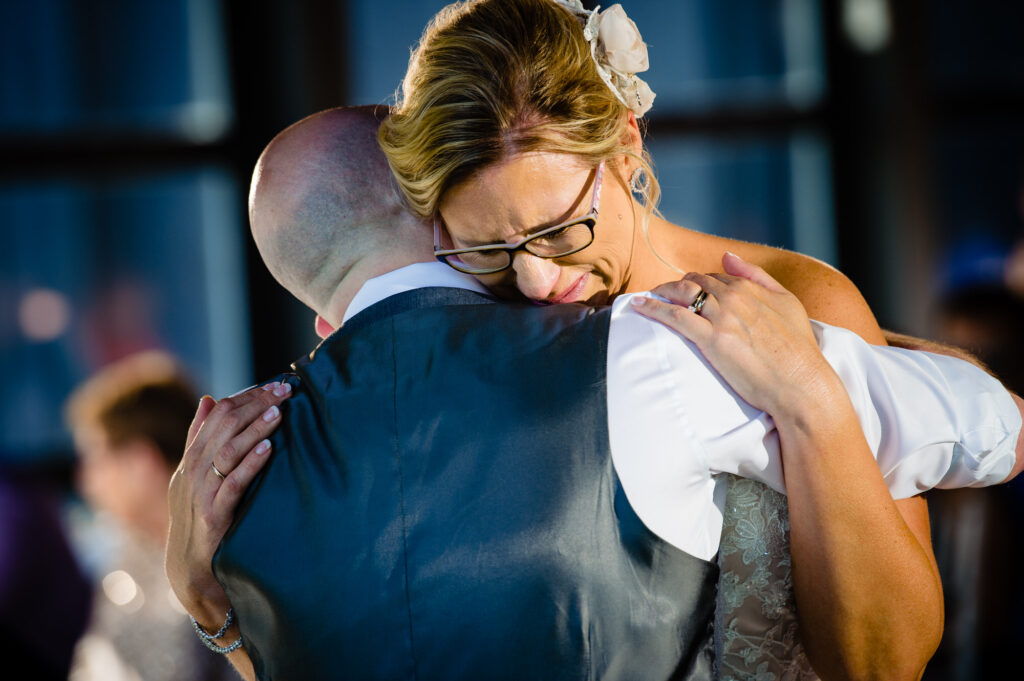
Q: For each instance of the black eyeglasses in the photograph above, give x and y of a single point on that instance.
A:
(554, 242)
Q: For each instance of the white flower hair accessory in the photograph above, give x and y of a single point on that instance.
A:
(619, 52)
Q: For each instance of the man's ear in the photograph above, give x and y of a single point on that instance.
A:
(323, 328)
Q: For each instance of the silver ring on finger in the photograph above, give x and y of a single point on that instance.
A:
(216, 471)
(698, 303)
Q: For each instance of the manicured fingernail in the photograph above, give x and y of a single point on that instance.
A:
(270, 386)
(263, 447)
(282, 390)
(638, 301)
(733, 254)
(271, 414)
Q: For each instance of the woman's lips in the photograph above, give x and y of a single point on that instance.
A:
(571, 294)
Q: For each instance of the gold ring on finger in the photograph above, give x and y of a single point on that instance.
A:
(216, 471)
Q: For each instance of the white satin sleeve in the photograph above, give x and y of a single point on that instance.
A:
(932, 420)
(674, 424)
(672, 421)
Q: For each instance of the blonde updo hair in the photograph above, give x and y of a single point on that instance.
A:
(491, 79)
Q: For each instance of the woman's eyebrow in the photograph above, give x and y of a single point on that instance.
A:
(469, 243)
(571, 214)
(567, 216)
(533, 230)
(519, 236)
(564, 218)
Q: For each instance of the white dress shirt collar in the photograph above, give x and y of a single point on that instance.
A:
(408, 278)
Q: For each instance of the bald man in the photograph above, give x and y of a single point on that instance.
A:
(461, 489)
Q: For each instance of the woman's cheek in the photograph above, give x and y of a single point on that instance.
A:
(502, 286)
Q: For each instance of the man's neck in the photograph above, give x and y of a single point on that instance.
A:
(412, 276)
(363, 270)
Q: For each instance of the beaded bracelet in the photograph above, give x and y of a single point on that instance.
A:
(208, 639)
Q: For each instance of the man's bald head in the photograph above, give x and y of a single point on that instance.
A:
(323, 208)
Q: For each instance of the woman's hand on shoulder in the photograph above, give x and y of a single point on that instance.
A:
(752, 330)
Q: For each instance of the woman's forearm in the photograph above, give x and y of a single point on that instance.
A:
(207, 616)
(868, 595)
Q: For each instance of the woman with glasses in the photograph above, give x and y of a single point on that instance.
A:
(517, 135)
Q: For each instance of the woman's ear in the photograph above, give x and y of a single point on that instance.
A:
(636, 140)
(633, 139)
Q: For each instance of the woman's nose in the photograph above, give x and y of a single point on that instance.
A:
(535, 277)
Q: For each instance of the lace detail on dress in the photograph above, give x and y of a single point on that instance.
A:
(756, 631)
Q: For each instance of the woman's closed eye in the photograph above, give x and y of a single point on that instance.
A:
(551, 237)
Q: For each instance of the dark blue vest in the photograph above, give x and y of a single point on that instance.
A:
(441, 504)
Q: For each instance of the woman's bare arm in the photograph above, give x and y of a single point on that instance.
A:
(830, 297)
(867, 588)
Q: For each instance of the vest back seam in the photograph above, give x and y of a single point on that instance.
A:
(401, 498)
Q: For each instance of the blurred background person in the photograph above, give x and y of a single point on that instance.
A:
(129, 423)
